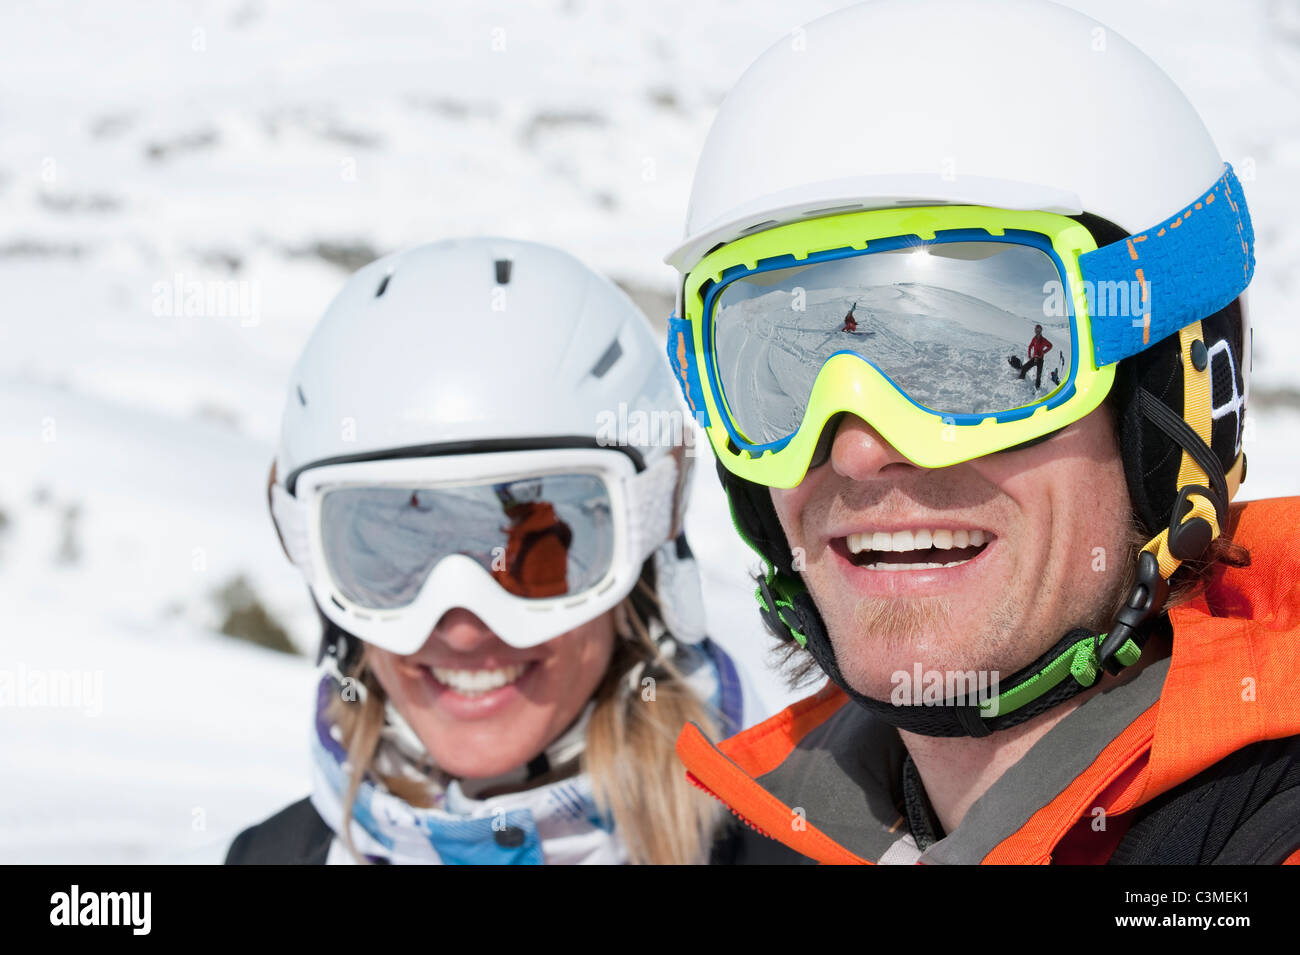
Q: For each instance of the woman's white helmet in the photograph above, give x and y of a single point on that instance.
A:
(485, 344)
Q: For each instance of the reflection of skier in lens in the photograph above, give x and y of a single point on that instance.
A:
(850, 323)
(1038, 347)
(537, 549)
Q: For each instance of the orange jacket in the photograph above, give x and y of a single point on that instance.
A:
(821, 776)
(537, 552)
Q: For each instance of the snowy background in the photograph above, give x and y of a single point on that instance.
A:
(144, 146)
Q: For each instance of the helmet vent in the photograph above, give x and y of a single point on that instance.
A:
(503, 271)
(829, 210)
(383, 285)
(612, 354)
(302, 399)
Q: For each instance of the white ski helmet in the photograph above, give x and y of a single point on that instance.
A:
(1014, 104)
(492, 361)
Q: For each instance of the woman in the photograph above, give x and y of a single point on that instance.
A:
(513, 625)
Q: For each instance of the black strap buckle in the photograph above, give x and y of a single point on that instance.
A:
(1145, 603)
(1189, 539)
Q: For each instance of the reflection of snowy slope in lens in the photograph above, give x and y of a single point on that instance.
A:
(946, 349)
(381, 547)
(592, 551)
(381, 552)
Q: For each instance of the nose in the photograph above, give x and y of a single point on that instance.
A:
(859, 453)
(462, 631)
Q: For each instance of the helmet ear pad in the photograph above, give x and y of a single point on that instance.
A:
(1151, 458)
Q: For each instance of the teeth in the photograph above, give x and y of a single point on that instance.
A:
(477, 682)
(916, 540)
(925, 566)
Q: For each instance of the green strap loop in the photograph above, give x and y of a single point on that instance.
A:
(1128, 654)
(1079, 660)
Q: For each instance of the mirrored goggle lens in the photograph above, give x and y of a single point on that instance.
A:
(975, 327)
(547, 536)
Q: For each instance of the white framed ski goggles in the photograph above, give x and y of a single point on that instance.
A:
(954, 331)
(534, 542)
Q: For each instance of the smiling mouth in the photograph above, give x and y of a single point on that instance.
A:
(472, 683)
(925, 549)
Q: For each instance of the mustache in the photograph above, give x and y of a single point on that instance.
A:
(929, 493)
(936, 489)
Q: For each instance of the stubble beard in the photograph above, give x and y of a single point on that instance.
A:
(887, 635)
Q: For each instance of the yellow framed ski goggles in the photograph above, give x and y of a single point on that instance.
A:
(954, 331)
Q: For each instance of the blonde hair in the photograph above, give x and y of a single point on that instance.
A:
(660, 817)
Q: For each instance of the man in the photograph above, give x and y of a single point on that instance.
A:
(1048, 636)
(1038, 347)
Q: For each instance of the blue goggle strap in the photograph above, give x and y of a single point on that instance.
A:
(1148, 286)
